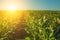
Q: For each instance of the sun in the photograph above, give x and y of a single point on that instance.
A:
(12, 7)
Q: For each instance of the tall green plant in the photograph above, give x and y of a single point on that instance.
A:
(41, 26)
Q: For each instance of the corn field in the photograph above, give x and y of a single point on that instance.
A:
(36, 25)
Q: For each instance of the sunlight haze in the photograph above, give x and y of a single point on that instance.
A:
(30, 4)
(12, 4)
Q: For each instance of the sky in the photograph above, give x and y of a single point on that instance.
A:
(30, 4)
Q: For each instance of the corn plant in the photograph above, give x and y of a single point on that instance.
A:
(43, 26)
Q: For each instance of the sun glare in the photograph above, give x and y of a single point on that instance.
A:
(12, 7)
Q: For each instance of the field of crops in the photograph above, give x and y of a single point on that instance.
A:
(30, 25)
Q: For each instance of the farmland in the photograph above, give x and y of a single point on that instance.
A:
(29, 25)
